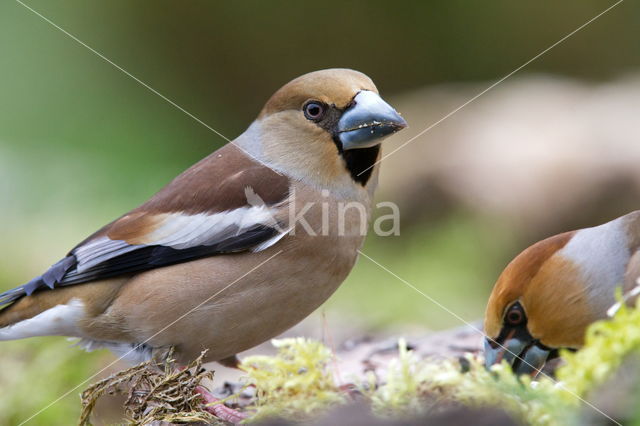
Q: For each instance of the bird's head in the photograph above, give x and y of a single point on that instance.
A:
(544, 300)
(326, 125)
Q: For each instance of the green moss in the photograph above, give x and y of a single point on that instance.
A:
(299, 381)
(415, 386)
(608, 344)
(295, 383)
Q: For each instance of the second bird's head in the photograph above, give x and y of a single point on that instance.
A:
(550, 293)
(327, 125)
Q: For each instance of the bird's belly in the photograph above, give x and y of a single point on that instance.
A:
(228, 304)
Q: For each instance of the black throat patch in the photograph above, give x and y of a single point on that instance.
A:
(359, 162)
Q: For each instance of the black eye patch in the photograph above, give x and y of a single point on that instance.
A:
(330, 119)
(514, 324)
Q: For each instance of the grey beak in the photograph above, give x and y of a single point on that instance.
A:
(524, 357)
(368, 121)
(534, 359)
(494, 353)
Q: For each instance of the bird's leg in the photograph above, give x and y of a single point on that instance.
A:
(218, 409)
(233, 362)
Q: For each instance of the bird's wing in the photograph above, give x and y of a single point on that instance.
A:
(224, 204)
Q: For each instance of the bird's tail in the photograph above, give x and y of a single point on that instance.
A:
(10, 296)
(49, 279)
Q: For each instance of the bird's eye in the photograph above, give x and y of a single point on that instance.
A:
(313, 110)
(515, 315)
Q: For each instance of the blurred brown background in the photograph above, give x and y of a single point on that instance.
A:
(553, 148)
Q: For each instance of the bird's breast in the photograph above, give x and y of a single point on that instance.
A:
(230, 303)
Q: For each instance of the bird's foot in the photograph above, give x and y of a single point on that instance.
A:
(218, 409)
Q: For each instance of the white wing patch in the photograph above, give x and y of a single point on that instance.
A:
(101, 249)
(265, 245)
(181, 231)
(61, 320)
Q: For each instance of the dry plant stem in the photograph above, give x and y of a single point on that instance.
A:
(110, 385)
(153, 394)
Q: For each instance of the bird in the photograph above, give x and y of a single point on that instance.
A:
(549, 294)
(236, 249)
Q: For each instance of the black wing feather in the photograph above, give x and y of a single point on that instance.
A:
(64, 272)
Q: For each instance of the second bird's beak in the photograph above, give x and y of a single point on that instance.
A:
(525, 357)
(368, 121)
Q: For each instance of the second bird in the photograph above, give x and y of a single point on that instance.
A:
(550, 293)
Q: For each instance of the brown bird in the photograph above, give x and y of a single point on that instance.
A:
(235, 250)
(551, 292)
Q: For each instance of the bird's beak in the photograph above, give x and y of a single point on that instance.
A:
(525, 357)
(368, 121)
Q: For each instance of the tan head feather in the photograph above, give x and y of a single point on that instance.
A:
(517, 278)
(288, 142)
(336, 86)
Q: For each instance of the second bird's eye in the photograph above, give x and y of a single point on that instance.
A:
(515, 315)
(313, 110)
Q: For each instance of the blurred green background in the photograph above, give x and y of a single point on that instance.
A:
(81, 142)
